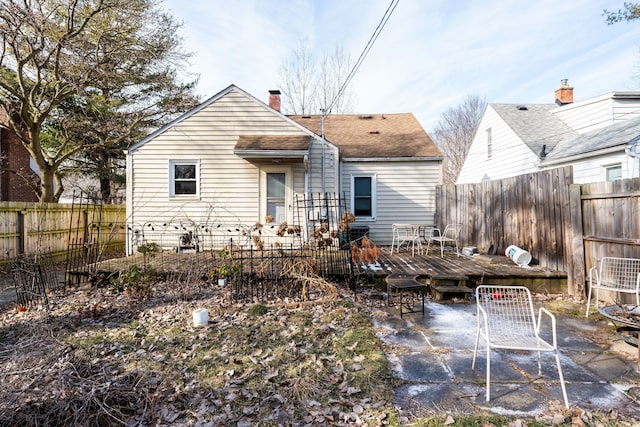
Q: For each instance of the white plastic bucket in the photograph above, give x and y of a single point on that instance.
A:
(201, 317)
(518, 255)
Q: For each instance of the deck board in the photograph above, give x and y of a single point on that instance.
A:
(479, 269)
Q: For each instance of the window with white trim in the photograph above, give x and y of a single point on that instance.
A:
(184, 178)
(363, 196)
(489, 144)
(613, 172)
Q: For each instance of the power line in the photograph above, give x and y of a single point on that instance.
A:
(367, 48)
(365, 51)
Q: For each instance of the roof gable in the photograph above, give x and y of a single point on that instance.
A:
(204, 105)
(535, 125)
(373, 136)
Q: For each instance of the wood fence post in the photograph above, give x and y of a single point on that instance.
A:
(21, 232)
(575, 244)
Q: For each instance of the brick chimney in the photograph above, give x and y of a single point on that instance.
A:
(564, 94)
(274, 99)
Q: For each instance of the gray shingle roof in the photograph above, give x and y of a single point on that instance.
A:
(617, 134)
(535, 125)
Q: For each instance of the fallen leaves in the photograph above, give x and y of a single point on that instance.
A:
(147, 363)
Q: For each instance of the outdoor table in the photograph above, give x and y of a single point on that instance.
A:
(399, 283)
(410, 234)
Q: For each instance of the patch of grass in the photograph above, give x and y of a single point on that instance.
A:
(258, 310)
(91, 341)
(347, 304)
(476, 421)
(564, 306)
(361, 345)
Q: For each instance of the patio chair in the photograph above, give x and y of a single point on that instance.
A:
(450, 234)
(406, 234)
(506, 320)
(619, 275)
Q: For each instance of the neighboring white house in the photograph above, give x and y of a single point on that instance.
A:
(597, 136)
(236, 160)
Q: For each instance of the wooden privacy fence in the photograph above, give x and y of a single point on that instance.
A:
(610, 219)
(545, 214)
(32, 229)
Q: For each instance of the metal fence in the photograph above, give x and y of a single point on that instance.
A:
(33, 279)
(265, 262)
(262, 262)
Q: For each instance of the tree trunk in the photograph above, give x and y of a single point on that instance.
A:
(105, 189)
(47, 186)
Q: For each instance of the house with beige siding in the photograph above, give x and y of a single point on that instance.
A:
(596, 136)
(235, 161)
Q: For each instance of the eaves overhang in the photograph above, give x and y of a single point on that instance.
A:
(581, 156)
(272, 146)
(393, 159)
(271, 154)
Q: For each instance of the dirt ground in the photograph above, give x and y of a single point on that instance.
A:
(114, 358)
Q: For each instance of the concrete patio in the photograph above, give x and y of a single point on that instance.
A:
(433, 355)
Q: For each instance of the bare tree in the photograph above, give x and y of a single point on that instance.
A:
(297, 82)
(308, 86)
(454, 134)
(333, 71)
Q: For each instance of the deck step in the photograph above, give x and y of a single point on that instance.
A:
(439, 292)
(442, 285)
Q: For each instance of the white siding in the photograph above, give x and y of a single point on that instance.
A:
(229, 185)
(625, 109)
(597, 113)
(509, 155)
(592, 169)
(405, 193)
(331, 156)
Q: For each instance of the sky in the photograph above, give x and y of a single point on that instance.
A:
(428, 58)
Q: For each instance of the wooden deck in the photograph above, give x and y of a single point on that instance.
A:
(464, 271)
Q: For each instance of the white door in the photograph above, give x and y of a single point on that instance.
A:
(276, 194)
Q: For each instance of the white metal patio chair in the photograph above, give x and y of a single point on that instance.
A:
(619, 275)
(450, 234)
(506, 320)
(406, 234)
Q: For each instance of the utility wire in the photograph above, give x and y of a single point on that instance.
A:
(365, 51)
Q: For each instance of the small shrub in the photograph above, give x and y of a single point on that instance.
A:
(150, 249)
(135, 282)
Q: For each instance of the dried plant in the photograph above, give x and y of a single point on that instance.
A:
(346, 220)
(258, 242)
(367, 252)
(281, 230)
